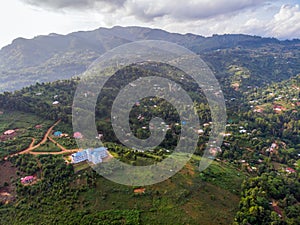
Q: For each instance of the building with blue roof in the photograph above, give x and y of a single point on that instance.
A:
(94, 156)
(79, 157)
(57, 133)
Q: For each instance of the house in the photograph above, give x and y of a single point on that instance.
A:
(55, 103)
(243, 131)
(226, 144)
(254, 168)
(38, 126)
(9, 132)
(214, 151)
(94, 156)
(272, 148)
(57, 133)
(27, 180)
(101, 136)
(290, 170)
(77, 135)
(140, 118)
(274, 145)
(278, 108)
(79, 157)
(102, 151)
(258, 110)
(200, 131)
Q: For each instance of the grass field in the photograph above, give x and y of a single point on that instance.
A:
(47, 147)
(81, 166)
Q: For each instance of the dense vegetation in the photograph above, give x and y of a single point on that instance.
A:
(62, 197)
(268, 198)
(258, 165)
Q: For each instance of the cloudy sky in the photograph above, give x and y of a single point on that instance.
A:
(271, 18)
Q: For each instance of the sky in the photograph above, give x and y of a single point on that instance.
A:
(267, 18)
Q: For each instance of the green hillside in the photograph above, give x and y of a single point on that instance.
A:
(254, 178)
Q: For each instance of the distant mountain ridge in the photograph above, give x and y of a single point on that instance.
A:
(52, 57)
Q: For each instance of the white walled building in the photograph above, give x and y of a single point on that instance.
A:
(94, 156)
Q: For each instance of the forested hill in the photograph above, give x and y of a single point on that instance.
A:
(54, 57)
(261, 146)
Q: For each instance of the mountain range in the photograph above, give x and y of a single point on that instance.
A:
(53, 57)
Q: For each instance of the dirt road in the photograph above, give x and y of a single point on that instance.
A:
(46, 137)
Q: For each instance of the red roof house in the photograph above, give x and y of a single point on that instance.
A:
(27, 180)
(290, 170)
(78, 135)
(9, 132)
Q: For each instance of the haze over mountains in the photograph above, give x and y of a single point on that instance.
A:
(53, 57)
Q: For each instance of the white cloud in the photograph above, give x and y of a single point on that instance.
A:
(148, 10)
(74, 4)
(204, 17)
(286, 23)
(187, 9)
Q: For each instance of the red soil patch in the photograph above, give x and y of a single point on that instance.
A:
(190, 168)
(7, 171)
(189, 171)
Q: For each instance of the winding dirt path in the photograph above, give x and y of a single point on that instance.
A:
(43, 141)
(46, 137)
(55, 153)
(57, 144)
(32, 143)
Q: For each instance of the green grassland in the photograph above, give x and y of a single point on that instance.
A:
(222, 174)
(47, 147)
